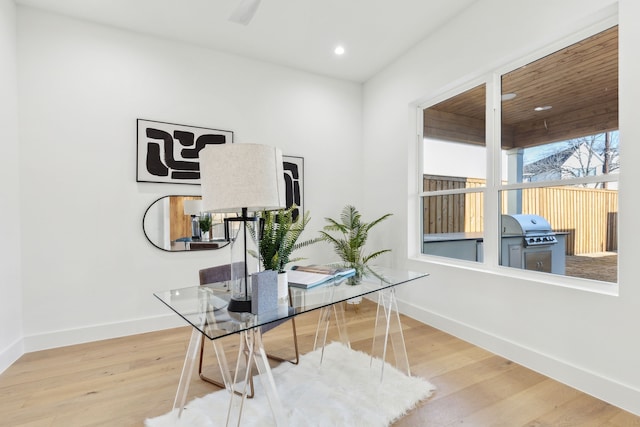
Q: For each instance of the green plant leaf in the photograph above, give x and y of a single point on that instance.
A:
(352, 234)
(280, 237)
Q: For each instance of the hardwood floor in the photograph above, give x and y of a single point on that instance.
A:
(122, 381)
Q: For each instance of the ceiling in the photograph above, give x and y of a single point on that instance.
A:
(579, 82)
(296, 33)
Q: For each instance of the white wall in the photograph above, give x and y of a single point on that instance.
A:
(11, 346)
(88, 270)
(583, 338)
(454, 159)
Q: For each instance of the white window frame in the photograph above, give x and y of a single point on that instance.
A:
(494, 184)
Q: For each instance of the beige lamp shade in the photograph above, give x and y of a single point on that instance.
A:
(236, 176)
(192, 207)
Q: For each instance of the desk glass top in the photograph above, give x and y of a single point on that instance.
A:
(205, 307)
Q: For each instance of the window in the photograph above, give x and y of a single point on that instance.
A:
(557, 189)
(454, 176)
(559, 126)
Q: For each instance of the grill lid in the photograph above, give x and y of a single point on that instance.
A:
(521, 225)
(535, 229)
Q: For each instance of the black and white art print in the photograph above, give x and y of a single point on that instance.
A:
(169, 152)
(294, 183)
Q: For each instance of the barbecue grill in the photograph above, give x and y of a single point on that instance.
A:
(529, 242)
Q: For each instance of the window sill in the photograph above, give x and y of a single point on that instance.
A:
(586, 285)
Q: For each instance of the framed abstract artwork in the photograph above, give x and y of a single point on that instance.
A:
(168, 152)
(294, 183)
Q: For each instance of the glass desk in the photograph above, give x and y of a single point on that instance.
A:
(204, 308)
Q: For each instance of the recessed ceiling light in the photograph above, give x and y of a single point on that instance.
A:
(545, 108)
(339, 50)
(508, 96)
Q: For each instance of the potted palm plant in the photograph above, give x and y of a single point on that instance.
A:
(205, 226)
(352, 236)
(280, 235)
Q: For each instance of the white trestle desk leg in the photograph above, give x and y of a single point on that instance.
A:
(388, 324)
(187, 371)
(341, 323)
(266, 378)
(190, 359)
(218, 347)
(324, 321)
(234, 412)
(251, 341)
(221, 356)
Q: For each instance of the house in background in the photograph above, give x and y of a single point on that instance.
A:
(582, 157)
(72, 88)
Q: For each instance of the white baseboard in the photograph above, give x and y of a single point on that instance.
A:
(100, 332)
(10, 354)
(603, 388)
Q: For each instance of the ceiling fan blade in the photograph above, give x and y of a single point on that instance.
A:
(245, 11)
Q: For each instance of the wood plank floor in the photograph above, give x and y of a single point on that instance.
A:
(122, 381)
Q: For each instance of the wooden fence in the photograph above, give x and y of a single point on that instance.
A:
(589, 216)
(456, 212)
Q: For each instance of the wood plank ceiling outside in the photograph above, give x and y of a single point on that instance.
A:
(579, 82)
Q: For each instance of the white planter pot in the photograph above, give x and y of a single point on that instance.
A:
(283, 286)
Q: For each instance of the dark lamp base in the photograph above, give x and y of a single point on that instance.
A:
(239, 306)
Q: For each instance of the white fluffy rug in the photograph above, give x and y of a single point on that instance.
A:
(345, 390)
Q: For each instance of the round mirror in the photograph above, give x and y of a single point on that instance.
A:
(175, 224)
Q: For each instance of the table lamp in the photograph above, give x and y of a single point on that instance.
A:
(241, 178)
(193, 208)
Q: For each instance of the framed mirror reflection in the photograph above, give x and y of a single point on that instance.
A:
(176, 224)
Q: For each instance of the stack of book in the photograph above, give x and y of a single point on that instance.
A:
(308, 276)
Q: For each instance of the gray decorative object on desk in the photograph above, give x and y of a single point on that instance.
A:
(264, 292)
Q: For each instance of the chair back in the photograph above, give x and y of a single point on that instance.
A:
(220, 273)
